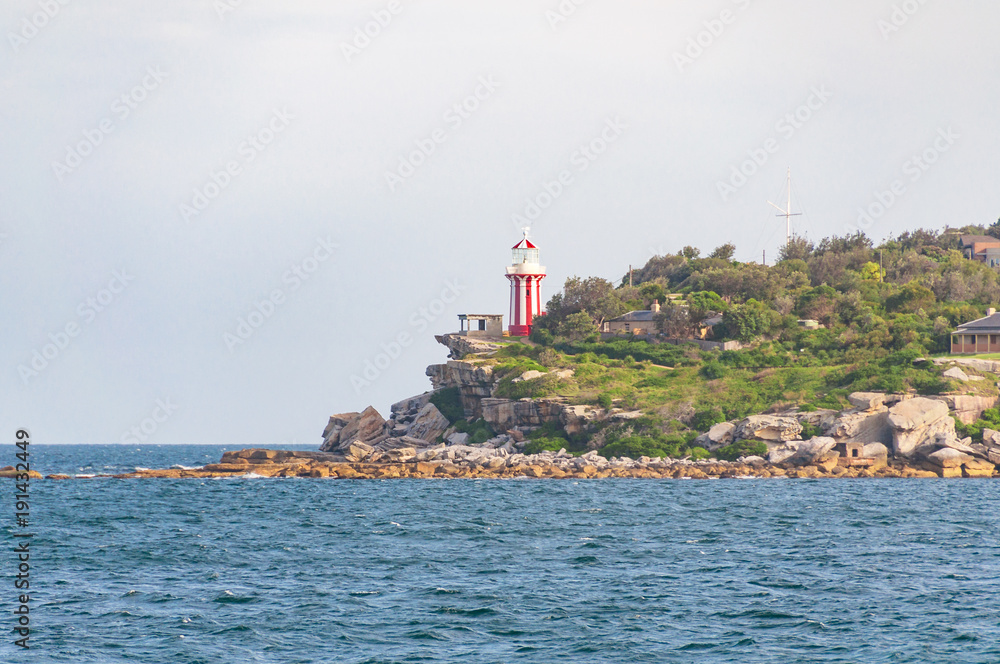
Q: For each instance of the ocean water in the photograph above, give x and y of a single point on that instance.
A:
(302, 570)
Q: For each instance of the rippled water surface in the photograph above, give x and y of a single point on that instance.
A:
(302, 570)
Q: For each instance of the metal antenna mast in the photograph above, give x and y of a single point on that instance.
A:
(787, 212)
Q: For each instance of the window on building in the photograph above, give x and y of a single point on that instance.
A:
(482, 325)
(972, 339)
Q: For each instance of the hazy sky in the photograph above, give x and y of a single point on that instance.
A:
(350, 171)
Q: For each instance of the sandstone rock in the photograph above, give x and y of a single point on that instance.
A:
(957, 374)
(916, 422)
(828, 461)
(458, 439)
(402, 453)
(867, 400)
(413, 404)
(867, 426)
(978, 468)
(428, 424)
(331, 434)
(576, 418)
(963, 445)
(949, 458)
(226, 467)
(10, 471)
(504, 414)
(264, 454)
(753, 460)
(878, 452)
(781, 454)
(475, 381)
(985, 366)
(812, 450)
(345, 428)
(768, 427)
(528, 375)
(358, 451)
(720, 435)
(968, 408)
(460, 346)
(991, 438)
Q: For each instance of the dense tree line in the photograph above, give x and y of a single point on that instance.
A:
(908, 292)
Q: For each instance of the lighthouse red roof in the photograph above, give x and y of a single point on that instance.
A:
(524, 244)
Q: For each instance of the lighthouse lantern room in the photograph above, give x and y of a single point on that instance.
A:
(525, 275)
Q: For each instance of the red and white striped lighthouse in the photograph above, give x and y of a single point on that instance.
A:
(525, 275)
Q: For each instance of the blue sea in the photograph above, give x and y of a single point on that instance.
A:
(309, 570)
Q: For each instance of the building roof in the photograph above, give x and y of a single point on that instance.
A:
(968, 240)
(986, 325)
(641, 316)
(525, 243)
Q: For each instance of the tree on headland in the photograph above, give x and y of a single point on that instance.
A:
(724, 252)
(690, 252)
(796, 248)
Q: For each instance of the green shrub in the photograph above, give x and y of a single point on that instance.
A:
(699, 453)
(536, 388)
(479, 431)
(743, 448)
(449, 402)
(605, 400)
(705, 418)
(713, 370)
(634, 447)
(542, 444)
(809, 430)
(990, 419)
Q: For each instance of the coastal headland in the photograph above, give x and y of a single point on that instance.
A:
(880, 435)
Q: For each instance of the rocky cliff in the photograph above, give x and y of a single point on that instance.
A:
(915, 430)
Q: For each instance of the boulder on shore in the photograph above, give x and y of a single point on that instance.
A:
(813, 450)
(916, 423)
(428, 424)
(866, 426)
(768, 428)
(345, 428)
